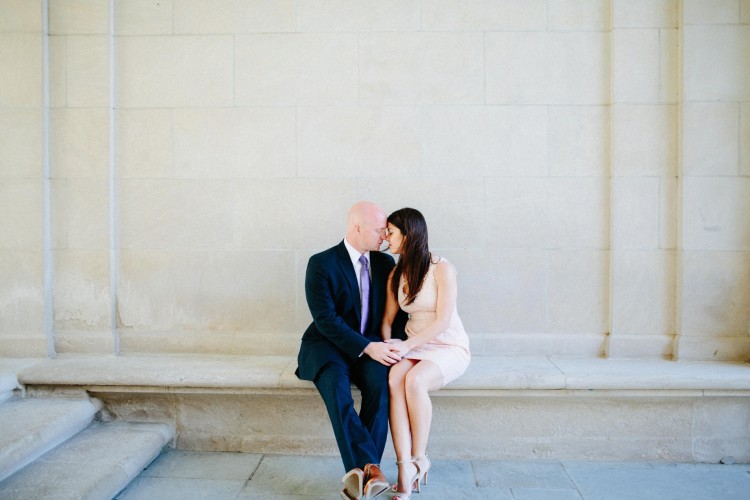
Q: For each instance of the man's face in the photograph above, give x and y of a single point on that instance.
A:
(372, 231)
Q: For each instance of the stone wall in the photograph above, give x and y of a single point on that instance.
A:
(167, 168)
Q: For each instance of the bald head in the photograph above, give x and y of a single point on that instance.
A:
(365, 226)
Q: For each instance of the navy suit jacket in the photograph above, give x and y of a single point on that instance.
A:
(332, 295)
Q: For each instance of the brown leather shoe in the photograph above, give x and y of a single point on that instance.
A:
(353, 483)
(375, 482)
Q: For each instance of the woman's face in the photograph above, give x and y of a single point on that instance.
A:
(395, 239)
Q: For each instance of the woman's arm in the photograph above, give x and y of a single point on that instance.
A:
(391, 308)
(445, 278)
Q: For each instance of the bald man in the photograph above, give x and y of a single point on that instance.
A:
(342, 345)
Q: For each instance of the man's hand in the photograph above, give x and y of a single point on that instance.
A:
(383, 353)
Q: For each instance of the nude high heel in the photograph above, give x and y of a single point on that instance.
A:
(423, 466)
(413, 483)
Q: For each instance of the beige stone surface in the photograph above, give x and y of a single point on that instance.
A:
(143, 17)
(546, 68)
(20, 16)
(21, 292)
(145, 143)
(710, 133)
(715, 212)
(21, 222)
(299, 69)
(578, 141)
(174, 71)
(87, 71)
(421, 68)
(645, 13)
(452, 15)
(636, 63)
(716, 63)
(644, 140)
(81, 299)
(23, 85)
(565, 15)
(78, 16)
(359, 15)
(21, 144)
(79, 142)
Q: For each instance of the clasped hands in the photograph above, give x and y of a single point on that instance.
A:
(387, 353)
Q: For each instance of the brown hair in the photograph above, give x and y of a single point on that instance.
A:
(414, 261)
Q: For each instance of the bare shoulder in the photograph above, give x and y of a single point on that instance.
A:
(444, 269)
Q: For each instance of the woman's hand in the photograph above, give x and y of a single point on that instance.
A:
(399, 346)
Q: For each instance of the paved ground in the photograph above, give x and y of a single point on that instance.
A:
(184, 475)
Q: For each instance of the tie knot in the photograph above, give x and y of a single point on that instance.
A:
(363, 260)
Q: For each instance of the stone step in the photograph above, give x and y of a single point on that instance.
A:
(97, 463)
(32, 427)
(8, 383)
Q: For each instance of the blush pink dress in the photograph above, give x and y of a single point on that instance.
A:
(450, 349)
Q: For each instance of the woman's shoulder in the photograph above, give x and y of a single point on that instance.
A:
(442, 266)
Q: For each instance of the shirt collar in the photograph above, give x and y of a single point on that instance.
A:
(354, 253)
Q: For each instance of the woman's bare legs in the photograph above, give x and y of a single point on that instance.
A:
(410, 382)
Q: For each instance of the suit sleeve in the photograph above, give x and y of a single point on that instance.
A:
(319, 287)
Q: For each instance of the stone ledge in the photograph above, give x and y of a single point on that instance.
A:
(485, 375)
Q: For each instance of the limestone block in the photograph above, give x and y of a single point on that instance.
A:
(302, 311)
(20, 143)
(265, 16)
(358, 15)
(79, 143)
(578, 141)
(80, 291)
(79, 17)
(645, 13)
(143, 17)
(196, 16)
(358, 141)
(573, 15)
(179, 214)
(211, 342)
(21, 59)
(636, 213)
(21, 16)
(21, 209)
(537, 344)
(643, 293)
(716, 213)
(502, 291)
(293, 213)
(21, 291)
(58, 200)
(716, 348)
(87, 71)
(559, 212)
(639, 346)
(745, 139)
(711, 11)
(453, 207)
(226, 291)
(476, 141)
(715, 294)
(421, 68)
(547, 68)
(716, 63)
(234, 143)
(87, 213)
(295, 69)
(84, 342)
(723, 432)
(144, 139)
(174, 71)
(57, 69)
(484, 15)
(578, 291)
(636, 65)
(645, 139)
(710, 138)
(236, 16)
(745, 11)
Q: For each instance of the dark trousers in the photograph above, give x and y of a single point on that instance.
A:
(360, 437)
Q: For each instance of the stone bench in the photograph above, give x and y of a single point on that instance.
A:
(503, 407)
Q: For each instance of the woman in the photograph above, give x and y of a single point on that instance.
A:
(436, 351)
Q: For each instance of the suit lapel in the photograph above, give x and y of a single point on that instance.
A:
(347, 268)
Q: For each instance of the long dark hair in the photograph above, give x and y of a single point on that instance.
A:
(414, 261)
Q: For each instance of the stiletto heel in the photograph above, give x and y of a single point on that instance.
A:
(423, 469)
(413, 483)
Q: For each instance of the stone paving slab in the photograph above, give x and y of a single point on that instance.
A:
(182, 475)
(95, 464)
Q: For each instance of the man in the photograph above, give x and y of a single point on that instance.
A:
(345, 288)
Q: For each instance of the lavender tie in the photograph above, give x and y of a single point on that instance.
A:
(364, 284)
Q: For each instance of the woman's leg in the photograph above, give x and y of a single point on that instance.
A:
(424, 377)
(399, 419)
